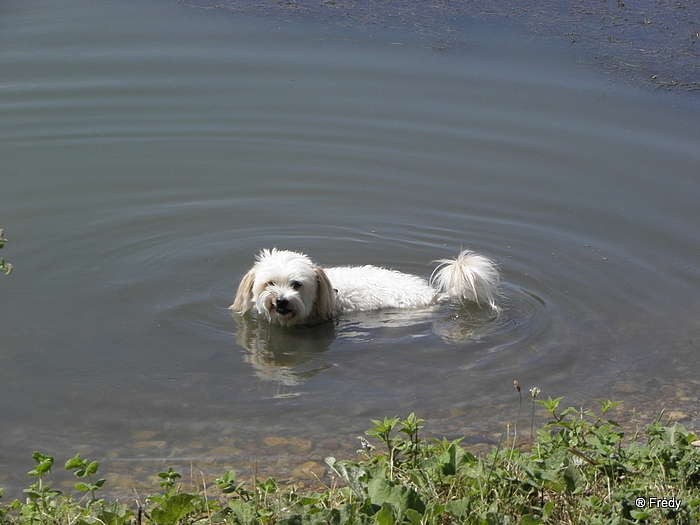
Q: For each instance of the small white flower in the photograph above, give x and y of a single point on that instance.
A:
(366, 445)
(534, 392)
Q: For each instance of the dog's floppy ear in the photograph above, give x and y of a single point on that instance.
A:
(244, 296)
(325, 295)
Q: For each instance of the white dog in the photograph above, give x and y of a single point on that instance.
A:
(288, 288)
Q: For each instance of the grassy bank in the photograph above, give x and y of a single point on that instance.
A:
(580, 467)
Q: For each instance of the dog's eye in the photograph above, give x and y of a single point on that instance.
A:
(296, 285)
(270, 283)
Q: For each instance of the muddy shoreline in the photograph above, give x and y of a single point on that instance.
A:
(655, 46)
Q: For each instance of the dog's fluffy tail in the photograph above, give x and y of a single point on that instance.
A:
(469, 277)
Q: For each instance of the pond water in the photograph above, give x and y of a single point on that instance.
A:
(150, 150)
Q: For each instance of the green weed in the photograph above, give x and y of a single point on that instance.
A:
(4, 266)
(580, 468)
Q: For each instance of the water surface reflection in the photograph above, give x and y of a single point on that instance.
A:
(144, 164)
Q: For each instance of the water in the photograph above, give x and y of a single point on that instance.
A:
(149, 150)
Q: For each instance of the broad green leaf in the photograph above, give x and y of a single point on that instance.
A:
(92, 468)
(244, 511)
(385, 515)
(76, 462)
(383, 491)
(173, 509)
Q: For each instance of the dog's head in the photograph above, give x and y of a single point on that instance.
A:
(287, 288)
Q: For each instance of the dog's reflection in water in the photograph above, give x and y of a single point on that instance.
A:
(283, 354)
(289, 355)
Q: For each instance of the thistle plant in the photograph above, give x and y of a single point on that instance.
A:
(411, 447)
(534, 392)
(516, 385)
(382, 430)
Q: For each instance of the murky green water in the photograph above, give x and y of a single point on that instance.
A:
(149, 150)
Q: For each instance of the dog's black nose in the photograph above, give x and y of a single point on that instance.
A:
(282, 306)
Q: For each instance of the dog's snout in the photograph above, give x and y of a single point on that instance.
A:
(282, 302)
(282, 306)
